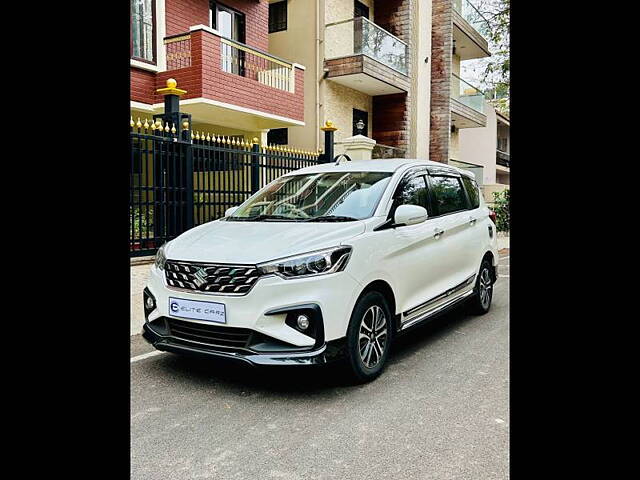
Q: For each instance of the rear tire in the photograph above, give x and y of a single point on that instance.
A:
(368, 338)
(480, 302)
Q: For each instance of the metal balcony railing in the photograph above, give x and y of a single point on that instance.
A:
(503, 158)
(360, 36)
(467, 94)
(471, 14)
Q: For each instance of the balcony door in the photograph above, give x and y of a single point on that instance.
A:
(231, 24)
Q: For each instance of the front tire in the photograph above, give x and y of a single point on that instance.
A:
(481, 300)
(368, 337)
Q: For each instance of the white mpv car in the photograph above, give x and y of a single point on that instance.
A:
(328, 262)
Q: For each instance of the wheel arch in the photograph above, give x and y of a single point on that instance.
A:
(386, 291)
(493, 262)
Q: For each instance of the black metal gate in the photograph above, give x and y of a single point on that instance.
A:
(177, 182)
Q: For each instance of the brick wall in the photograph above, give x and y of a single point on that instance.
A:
(391, 120)
(391, 112)
(205, 78)
(441, 58)
(182, 14)
(142, 85)
(394, 17)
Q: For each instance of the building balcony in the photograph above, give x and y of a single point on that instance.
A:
(503, 161)
(470, 31)
(365, 57)
(467, 104)
(232, 84)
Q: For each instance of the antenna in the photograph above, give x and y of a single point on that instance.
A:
(337, 158)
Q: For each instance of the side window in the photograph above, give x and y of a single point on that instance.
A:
(448, 195)
(472, 190)
(413, 192)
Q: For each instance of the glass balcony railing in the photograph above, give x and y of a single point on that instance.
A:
(471, 14)
(467, 94)
(359, 36)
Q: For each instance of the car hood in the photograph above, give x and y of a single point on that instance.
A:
(256, 242)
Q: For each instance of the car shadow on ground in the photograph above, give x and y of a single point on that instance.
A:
(301, 380)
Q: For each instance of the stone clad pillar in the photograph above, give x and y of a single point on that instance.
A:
(358, 147)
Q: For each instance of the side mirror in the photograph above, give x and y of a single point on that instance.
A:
(409, 215)
(230, 211)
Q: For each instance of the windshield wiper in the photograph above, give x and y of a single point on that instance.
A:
(263, 217)
(332, 218)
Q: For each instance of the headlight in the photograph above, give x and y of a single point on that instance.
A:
(313, 263)
(160, 258)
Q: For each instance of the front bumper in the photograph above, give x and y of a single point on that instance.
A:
(326, 353)
(264, 308)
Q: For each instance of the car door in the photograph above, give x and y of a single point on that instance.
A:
(450, 205)
(415, 253)
(477, 229)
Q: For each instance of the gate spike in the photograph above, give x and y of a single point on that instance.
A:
(159, 124)
(208, 137)
(166, 127)
(138, 123)
(173, 128)
(185, 125)
(146, 124)
(132, 123)
(233, 142)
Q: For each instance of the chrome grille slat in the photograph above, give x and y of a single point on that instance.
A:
(211, 278)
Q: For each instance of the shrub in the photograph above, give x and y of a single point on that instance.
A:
(502, 209)
(142, 227)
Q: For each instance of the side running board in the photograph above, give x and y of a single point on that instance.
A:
(437, 304)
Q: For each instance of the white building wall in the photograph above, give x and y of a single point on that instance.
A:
(478, 146)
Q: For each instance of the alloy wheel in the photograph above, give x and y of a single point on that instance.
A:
(372, 338)
(485, 288)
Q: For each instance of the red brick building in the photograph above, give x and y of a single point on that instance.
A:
(218, 53)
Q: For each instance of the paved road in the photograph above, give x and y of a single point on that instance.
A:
(439, 411)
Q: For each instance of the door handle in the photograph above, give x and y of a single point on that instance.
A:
(437, 233)
(472, 221)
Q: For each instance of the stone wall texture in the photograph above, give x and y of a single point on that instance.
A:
(441, 58)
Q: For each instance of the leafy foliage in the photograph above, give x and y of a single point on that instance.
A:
(141, 222)
(502, 209)
(496, 69)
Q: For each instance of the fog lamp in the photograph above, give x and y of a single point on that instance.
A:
(303, 322)
(150, 303)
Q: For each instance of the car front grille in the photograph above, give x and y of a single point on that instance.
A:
(211, 278)
(230, 337)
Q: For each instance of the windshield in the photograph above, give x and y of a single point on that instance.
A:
(343, 196)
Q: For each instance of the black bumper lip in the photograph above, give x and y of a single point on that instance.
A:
(327, 353)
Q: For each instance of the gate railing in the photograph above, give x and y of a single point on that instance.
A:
(177, 184)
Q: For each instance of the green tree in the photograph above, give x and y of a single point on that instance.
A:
(496, 73)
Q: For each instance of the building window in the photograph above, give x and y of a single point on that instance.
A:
(360, 122)
(277, 16)
(278, 136)
(143, 44)
(360, 10)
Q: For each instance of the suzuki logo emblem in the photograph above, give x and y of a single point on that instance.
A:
(200, 277)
